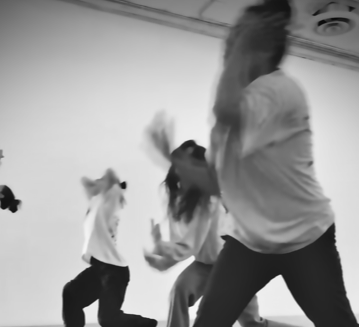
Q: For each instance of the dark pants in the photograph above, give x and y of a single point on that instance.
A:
(313, 275)
(103, 282)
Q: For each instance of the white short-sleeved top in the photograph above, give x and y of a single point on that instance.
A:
(201, 237)
(266, 172)
(100, 228)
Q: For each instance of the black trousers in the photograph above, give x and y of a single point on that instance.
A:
(313, 275)
(106, 283)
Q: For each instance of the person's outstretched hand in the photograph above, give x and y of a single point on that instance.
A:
(155, 261)
(159, 262)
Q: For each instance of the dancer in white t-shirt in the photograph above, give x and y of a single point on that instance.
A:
(281, 222)
(107, 278)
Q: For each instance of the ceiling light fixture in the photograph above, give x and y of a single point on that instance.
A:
(335, 19)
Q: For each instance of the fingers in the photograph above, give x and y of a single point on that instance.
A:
(152, 224)
(147, 256)
(151, 260)
(148, 260)
(156, 231)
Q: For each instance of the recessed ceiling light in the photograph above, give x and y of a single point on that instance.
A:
(334, 26)
(335, 19)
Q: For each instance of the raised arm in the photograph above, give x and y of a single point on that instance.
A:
(90, 186)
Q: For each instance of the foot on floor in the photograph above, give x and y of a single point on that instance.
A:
(147, 322)
(271, 323)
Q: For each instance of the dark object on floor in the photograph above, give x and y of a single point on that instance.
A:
(8, 200)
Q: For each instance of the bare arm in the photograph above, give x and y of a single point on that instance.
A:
(90, 186)
(192, 241)
(159, 262)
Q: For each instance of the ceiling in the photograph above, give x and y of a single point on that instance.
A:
(325, 30)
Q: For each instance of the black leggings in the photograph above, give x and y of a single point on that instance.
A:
(313, 275)
(103, 282)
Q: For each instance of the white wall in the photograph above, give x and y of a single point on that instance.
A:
(77, 88)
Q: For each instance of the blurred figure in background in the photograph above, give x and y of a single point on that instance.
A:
(261, 149)
(195, 220)
(107, 277)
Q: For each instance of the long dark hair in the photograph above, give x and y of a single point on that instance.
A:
(183, 203)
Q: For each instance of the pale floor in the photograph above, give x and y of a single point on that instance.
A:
(301, 321)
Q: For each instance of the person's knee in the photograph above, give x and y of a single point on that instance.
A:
(181, 291)
(102, 321)
(68, 293)
(180, 287)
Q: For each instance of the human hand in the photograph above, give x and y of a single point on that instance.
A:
(91, 187)
(155, 232)
(155, 261)
(122, 201)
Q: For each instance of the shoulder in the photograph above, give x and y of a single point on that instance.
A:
(114, 192)
(274, 82)
(279, 90)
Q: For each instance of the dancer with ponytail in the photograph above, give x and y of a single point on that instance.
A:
(195, 220)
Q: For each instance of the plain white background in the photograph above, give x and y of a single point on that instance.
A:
(77, 88)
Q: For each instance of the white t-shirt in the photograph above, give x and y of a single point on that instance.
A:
(266, 172)
(100, 228)
(199, 238)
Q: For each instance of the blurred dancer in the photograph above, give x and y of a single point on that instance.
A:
(281, 222)
(107, 278)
